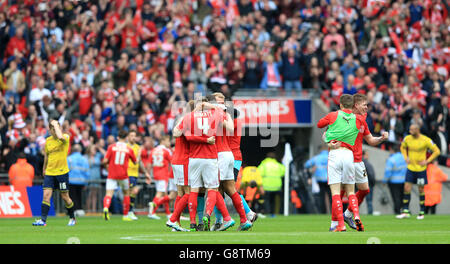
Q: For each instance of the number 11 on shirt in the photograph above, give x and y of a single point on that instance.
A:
(119, 158)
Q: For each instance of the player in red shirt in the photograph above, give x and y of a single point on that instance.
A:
(234, 141)
(116, 159)
(160, 166)
(172, 189)
(203, 167)
(361, 180)
(180, 163)
(145, 153)
(226, 168)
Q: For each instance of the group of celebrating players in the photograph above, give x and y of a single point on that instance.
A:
(202, 168)
(207, 159)
(206, 162)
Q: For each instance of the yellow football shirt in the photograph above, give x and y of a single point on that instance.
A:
(57, 152)
(251, 173)
(133, 169)
(416, 150)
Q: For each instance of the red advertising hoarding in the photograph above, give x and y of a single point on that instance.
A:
(280, 111)
(14, 202)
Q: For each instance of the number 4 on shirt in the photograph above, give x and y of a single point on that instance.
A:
(203, 124)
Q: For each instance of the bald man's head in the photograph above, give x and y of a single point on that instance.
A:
(414, 130)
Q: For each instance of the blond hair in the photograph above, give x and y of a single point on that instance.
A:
(219, 95)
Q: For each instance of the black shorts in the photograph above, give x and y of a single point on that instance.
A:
(57, 182)
(416, 177)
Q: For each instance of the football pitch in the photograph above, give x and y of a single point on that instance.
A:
(296, 229)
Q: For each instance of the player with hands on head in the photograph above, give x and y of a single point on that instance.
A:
(56, 172)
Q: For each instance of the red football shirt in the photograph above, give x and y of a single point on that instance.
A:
(222, 143)
(161, 157)
(234, 141)
(202, 124)
(118, 155)
(85, 99)
(181, 152)
(145, 156)
(357, 148)
(171, 172)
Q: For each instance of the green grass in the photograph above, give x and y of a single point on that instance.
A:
(297, 229)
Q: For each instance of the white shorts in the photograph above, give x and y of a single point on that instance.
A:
(225, 161)
(360, 173)
(172, 185)
(161, 185)
(180, 174)
(341, 166)
(112, 184)
(203, 173)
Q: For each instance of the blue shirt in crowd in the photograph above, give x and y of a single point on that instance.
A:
(415, 12)
(348, 69)
(395, 170)
(95, 169)
(321, 163)
(79, 169)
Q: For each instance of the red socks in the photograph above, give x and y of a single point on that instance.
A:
(353, 205)
(176, 201)
(192, 205)
(126, 204)
(210, 202)
(179, 207)
(222, 207)
(214, 199)
(167, 207)
(360, 195)
(159, 201)
(344, 198)
(336, 210)
(107, 202)
(237, 202)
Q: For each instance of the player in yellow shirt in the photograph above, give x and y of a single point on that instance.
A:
(414, 149)
(252, 187)
(133, 172)
(56, 171)
(251, 174)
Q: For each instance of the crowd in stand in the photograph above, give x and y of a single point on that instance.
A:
(101, 66)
